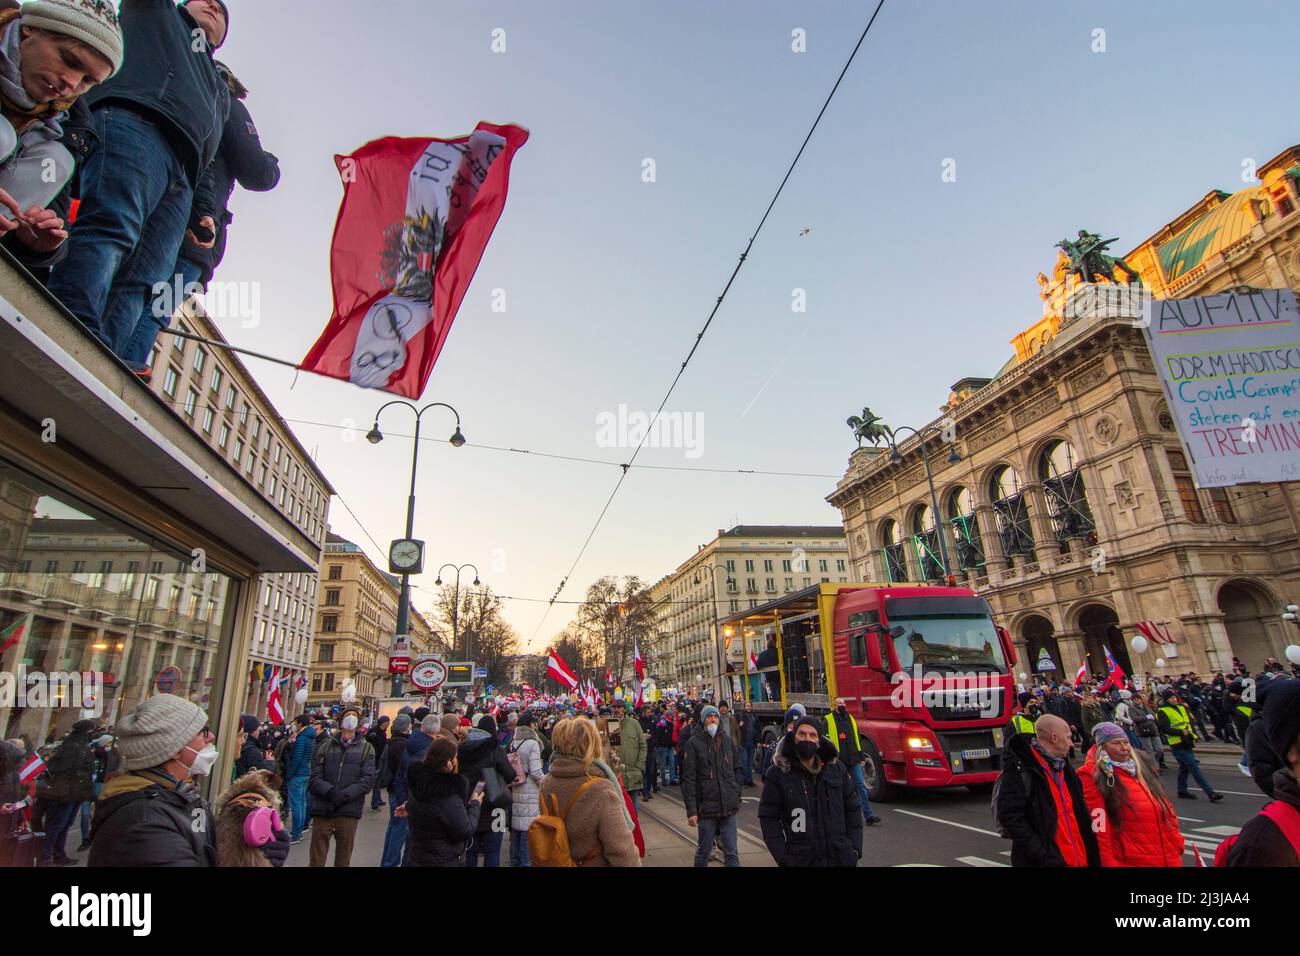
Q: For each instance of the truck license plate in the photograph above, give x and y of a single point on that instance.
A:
(975, 754)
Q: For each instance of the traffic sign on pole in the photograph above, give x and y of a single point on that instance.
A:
(429, 672)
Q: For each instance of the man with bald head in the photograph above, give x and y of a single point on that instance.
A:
(1039, 801)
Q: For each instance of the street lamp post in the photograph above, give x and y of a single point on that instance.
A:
(375, 436)
(953, 458)
(719, 654)
(455, 607)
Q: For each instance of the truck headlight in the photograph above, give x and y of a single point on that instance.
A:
(919, 743)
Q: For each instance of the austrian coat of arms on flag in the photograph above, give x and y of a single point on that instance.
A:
(415, 220)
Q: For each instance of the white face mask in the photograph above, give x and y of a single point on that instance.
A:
(203, 760)
(349, 723)
(712, 729)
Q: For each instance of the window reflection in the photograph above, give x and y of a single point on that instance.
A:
(80, 593)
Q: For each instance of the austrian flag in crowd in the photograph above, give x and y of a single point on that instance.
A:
(416, 217)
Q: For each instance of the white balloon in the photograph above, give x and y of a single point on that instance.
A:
(1293, 653)
(301, 696)
(1160, 662)
(1140, 644)
(1024, 676)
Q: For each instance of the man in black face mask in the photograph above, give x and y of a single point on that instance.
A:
(810, 812)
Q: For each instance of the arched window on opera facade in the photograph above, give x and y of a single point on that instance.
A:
(965, 530)
(1067, 501)
(925, 538)
(893, 552)
(1011, 511)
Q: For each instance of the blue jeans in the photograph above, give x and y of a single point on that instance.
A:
(297, 806)
(394, 837)
(667, 766)
(860, 779)
(135, 203)
(745, 773)
(377, 795)
(724, 829)
(519, 848)
(489, 845)
(1188, 764)
(137, 351)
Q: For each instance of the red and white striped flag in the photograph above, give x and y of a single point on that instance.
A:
(415, 219)
(638, 665)
(1154, 632)
(274, 707)
(559, 671)
(753, 661)
(31, 769)
(1081, 675)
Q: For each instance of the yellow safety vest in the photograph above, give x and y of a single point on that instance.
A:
(834, 734)
(1021, 724)
(1244, 710)
(1181, 722)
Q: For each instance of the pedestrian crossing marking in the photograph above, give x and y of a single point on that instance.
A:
(950, 823)
(1220, 831)
(979, 861)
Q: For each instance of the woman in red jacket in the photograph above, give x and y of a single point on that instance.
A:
(1135, 823)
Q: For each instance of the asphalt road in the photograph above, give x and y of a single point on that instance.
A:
(954, 827)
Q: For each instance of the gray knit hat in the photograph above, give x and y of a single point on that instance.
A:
(707, 711)
(92, 22)
(157, 730)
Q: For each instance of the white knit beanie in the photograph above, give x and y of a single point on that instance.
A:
(93, 22)
(157, 730)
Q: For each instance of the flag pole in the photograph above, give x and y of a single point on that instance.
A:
(228, 347)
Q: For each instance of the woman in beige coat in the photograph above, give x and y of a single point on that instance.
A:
(598, 825)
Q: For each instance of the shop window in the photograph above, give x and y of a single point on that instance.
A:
(68, 623)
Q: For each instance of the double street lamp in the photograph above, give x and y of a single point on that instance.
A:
(406, 556)
(953, 458)
(455, 606)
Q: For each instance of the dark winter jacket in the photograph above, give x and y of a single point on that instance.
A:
(710, 788)
(665, 733)
(165, 78)
(1262, 758)
(826, 804)
(71, 770)
(1261, 842)
(411, 754)
(1030, 815)
(441, 818)
(378, 743)
(748, 723)
(391, 763)
(145, 818)
(251, 757)
(240, 159)
(300, 758)
(342, 776)
(478, 752)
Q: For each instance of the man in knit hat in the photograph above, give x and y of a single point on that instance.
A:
(710, 789)
(152, 814)
(159, 122)
(51, 52)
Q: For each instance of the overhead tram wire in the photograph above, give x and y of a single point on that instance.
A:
(713, 312)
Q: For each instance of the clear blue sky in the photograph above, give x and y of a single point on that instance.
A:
(912, 283)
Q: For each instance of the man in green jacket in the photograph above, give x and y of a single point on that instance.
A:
(631, 749)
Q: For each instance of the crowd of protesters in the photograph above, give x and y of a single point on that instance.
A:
(121, 142)
(1082, 781)
(1114, 809)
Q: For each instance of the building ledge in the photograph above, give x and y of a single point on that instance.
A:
(54, 370)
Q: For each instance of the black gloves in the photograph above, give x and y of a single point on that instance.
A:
(277, 851)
